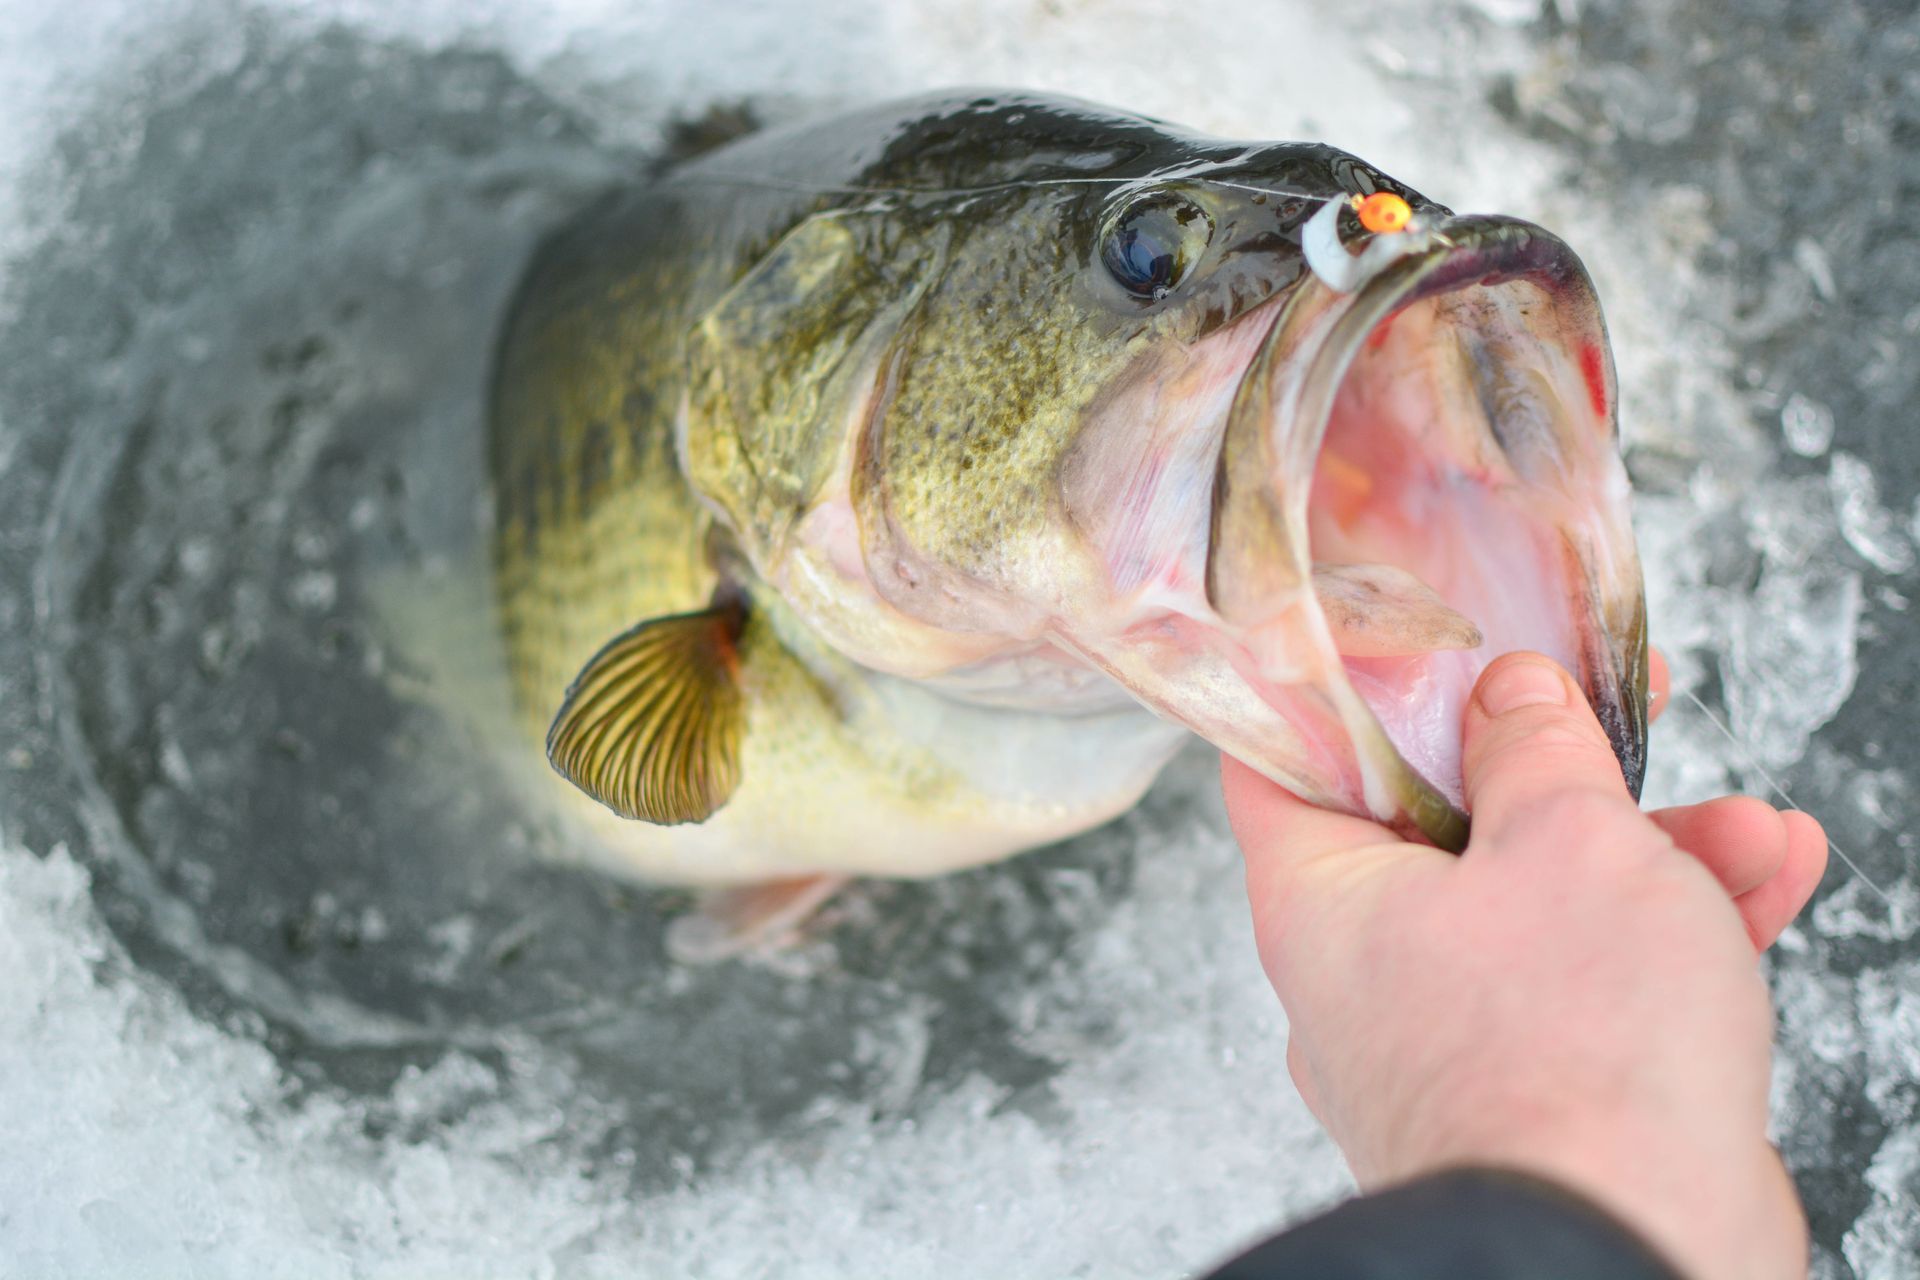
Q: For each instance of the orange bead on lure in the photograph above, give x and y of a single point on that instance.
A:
(1383, 212)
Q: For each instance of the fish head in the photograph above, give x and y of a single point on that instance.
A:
(1098, 425)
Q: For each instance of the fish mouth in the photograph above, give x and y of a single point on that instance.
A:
(1433, 457)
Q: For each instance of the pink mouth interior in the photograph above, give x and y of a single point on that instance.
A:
(1412, 474)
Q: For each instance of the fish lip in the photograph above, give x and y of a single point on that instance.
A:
(1475, 249)
(1449, 255)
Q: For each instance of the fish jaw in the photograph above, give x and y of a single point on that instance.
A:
(1450, 424)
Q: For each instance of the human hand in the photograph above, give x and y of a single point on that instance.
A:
(1573, 996)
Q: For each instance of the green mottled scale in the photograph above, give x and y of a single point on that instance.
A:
(595, 529)
(724, 301)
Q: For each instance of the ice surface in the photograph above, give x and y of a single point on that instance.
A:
(298, 1001)
(140, 1138)
(1868, 527)
(1807, 425)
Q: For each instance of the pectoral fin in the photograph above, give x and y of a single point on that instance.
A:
(652, 725)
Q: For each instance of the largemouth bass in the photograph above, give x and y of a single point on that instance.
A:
(892, 494)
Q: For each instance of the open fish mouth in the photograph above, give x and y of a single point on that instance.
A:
(1434, 452)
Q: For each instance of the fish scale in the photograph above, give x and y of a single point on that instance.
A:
(579, 563)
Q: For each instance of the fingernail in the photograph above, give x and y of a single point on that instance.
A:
(1524, 683)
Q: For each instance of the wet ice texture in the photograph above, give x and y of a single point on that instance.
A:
(299, 954)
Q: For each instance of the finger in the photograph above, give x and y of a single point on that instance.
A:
(1741, 840)
(1530, 740)
(1659, 684)
(1301, 859)
(1771, 907)
(1272, 823)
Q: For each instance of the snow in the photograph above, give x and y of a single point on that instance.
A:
(286, 994)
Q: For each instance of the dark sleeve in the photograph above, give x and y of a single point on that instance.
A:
(1465, 1224)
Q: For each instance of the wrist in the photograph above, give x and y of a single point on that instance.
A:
(1713, 1211)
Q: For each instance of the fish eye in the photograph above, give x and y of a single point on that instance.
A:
(1152, 244)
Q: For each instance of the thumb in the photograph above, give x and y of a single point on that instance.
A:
(1530, 740)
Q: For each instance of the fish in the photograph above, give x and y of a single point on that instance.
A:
(891, 493)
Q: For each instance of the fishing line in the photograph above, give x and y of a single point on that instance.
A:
(1781, 791)
(802, 187)
(1396, 230)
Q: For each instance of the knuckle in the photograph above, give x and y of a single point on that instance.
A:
(1577, 816)
(1552, 754)
(1584, 809)
(1559, 731)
